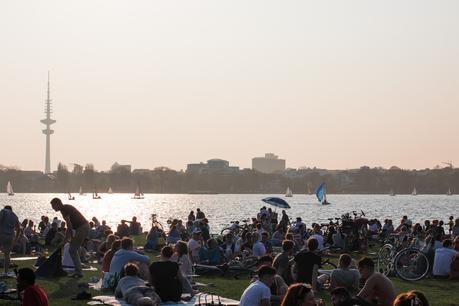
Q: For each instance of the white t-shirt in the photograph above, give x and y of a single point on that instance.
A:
(254, 293)
(442, 261)
(320, 240)
(258, 249)
(194, 247)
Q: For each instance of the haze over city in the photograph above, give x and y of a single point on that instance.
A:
(177, 82)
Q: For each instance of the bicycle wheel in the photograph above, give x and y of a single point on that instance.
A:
(225, 231)
(411, 264)
(384, 264)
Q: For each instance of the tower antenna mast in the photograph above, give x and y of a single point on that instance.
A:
(48, 131)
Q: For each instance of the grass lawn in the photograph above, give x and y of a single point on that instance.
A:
(61, 290)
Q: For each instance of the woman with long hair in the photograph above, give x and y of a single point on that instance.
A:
(411, 298)
(299, 295)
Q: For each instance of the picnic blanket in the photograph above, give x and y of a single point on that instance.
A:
(23, 258)
(71, 269)
(198, 299)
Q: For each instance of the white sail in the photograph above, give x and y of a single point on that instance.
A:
(449, 192)
(414, 191)
(9, 189)
(392, 192)
(110, 190)
(289, 192)
(81, 191)
(138, 194)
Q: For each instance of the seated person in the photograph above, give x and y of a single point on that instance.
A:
(133, 289)
(102, 229)
(21, 244)
(278, 237)
(377, 286)
(59, 238)
(278, 287)
(167, 278)
(344, 276)
(173, 236)
(341, 297)
(266, 242)
(107, 259)
(258, 248)
(134, 227)
(123, 229)
(44, 223)
(443, 258)
(181, 257)
(194, 245)
(412, 297)
(29, 231)
(51, 234)
(228, 247)
(32, 295)
(258, 292)
(317, 234)
(282, 261)
(338, 240)
(214, 253)
(152, 240)
(127, 254)
(307, 264)
(106, 245)
(92, 234)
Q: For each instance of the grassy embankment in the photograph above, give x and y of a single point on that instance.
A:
(61, 290)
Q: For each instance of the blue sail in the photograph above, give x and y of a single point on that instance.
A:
(320, 192)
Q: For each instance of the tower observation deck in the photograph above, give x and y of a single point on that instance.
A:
(48, 131)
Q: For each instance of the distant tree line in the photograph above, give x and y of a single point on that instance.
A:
(364, 180)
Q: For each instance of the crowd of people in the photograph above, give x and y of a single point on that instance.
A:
(289, 255)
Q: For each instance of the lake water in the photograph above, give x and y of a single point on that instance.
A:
(222, 208)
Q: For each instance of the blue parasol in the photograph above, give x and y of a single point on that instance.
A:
(278, 202)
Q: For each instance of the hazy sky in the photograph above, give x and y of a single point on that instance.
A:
(334, 84)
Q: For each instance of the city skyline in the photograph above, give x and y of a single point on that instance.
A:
(163, 84)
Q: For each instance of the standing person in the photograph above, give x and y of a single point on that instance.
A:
(9, 223)
(377, 286)
(75, 223)
(32, 295)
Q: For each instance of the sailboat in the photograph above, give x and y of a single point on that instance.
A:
(289, 193)
(9, 189)
(414, 191)
(110, 191)
(81, 191)
(321, 194)
(71, 198)
(449, 192)
(309, 190)
(95, 196)
(392, 192)
(138, 194)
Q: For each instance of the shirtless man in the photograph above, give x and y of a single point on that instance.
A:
(77, 231)
(377, 286)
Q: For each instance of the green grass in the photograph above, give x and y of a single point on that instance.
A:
(61, 290)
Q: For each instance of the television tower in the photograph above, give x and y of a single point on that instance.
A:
(48, 132)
